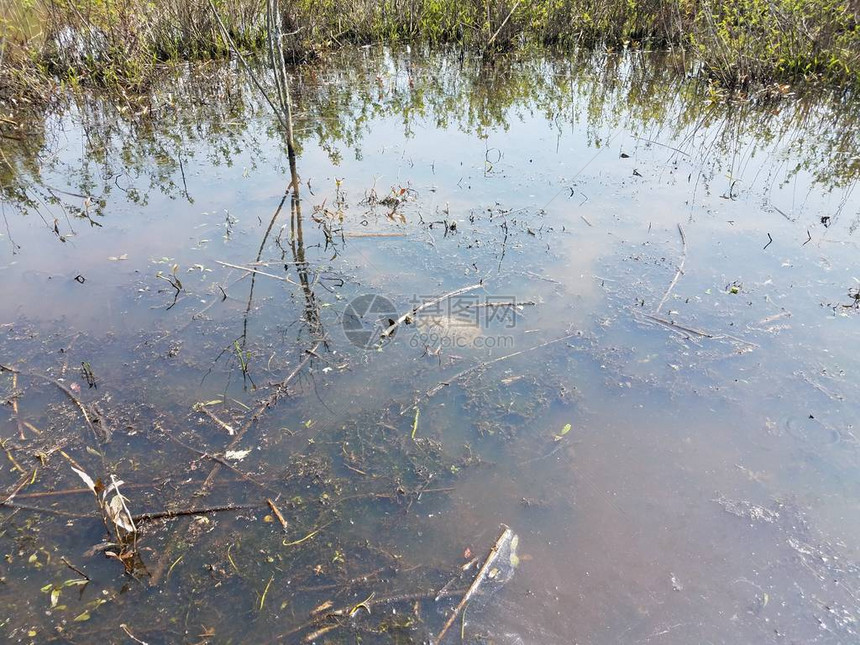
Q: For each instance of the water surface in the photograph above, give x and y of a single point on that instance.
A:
(666, 417)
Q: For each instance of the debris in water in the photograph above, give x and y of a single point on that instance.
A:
(499, 567)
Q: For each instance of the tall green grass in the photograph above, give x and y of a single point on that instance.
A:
(757, 40)
(119, 43)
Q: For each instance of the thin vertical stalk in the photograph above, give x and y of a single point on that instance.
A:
(282, 81)
(286, 123)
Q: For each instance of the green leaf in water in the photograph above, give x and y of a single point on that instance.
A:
(567, 428)
(75, 582)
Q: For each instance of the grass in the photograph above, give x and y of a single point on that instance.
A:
(120, 43)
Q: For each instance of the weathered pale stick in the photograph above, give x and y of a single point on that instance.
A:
(476, 583)
(678, 274)
(390, 329)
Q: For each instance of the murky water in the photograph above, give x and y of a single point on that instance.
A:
(652, 380)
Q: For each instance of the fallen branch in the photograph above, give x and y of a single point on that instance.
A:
(158, 572)
(280, 388)
(506, 536)
(125, 627)
(253, 270)
(74, 568)
(158, 515)
(370, 234)
(369, 604)
(200, 313)
(24, 481)
(226, 427)
(507, 303)
(687, 332)
(395, 496)
(277, 513)
(87, 491)
(692, 330)
(15, 410)
(64, 389)
(678, 273)
(247, 477)
(348, 583)
(443, 384)
(408, 316)
(48, 511)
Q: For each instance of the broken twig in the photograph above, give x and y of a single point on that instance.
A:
(678, 273)
(506, 535)
(253, 270)
(411, 314)
(442, 384)
(158, 515)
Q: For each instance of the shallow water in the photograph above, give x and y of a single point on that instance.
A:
(684, 273)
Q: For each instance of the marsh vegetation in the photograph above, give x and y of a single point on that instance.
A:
(122, 45)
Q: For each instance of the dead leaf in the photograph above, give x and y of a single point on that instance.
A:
(118, 514)
(87, 479)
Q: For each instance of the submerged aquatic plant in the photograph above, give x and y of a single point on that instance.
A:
(173, 280)
(116, 517)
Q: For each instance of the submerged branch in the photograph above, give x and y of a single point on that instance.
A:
(480, 366)
(678, 273)
(482, 574)
(157, 515)
(430, 303)
(348, 611)
(64, 390)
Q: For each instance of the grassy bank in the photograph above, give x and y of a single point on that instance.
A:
(121, 42)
